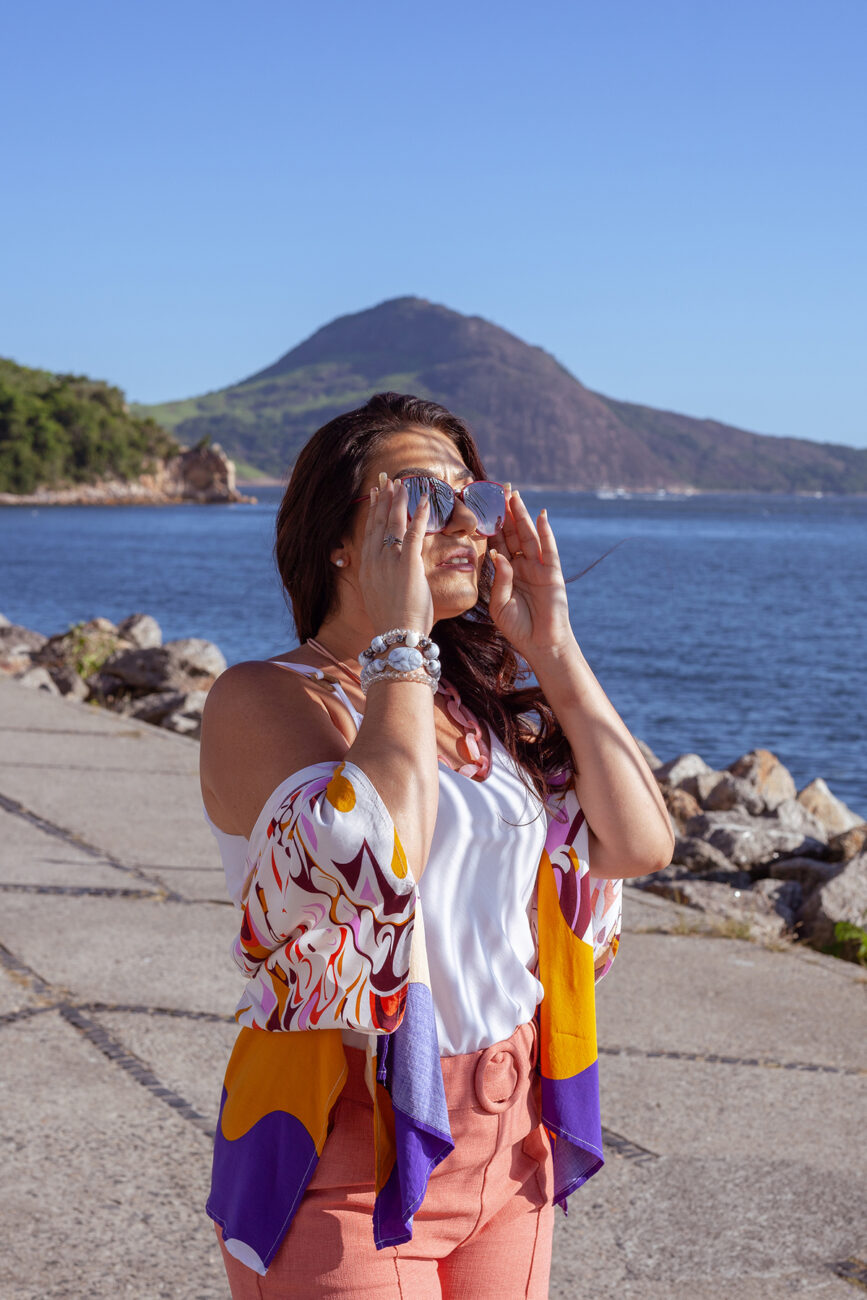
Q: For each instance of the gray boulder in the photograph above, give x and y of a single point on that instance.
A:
(830, 811)
(795, 817)
(728, 792)
(69, 683)
(697, 855)
(767, 910)
(156, 706)
(843, 898)
(187, 719)
(186, 665)
(18, 645)
(847, 845)
(809, 872)
(141, 630)
(766, 774)
(38, 679)
(198, 656)
(677, 770)
(748, 841)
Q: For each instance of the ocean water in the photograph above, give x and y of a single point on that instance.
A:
(719, 624)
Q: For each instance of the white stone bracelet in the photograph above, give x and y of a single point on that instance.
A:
(400, 653)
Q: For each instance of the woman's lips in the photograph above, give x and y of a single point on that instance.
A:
(461, 560)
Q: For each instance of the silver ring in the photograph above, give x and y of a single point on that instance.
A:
(391, 540)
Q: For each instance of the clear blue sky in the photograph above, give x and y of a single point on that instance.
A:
(670, 197)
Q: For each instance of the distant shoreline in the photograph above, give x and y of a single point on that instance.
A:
(135, 496)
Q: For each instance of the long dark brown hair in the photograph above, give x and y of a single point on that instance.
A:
(477, 659)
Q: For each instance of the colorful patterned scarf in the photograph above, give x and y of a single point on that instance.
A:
(332, 938)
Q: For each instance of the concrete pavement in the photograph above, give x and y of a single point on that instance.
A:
(733, 1076)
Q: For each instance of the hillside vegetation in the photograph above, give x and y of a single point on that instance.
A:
(535, 422)
(67, 429)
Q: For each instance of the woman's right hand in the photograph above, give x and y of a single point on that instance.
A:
(392, 578)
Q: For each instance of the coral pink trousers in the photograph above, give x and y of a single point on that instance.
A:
(484, 1228)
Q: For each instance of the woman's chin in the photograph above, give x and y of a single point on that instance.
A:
(454, 591)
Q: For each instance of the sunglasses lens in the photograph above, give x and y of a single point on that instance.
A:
(442, 500)
(488, 503)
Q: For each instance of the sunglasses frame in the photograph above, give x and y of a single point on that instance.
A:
(458, 496)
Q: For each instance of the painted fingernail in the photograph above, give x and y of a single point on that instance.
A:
(397, 483)
(383, 479)
(507, 486)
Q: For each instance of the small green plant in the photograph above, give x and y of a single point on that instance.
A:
(850, 942)
(89, 650)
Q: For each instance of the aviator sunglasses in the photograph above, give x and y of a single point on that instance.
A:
(486, 499)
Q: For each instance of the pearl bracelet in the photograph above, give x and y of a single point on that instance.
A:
(400, 654)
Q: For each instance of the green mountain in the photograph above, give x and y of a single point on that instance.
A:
(58, 430)
(534, 421)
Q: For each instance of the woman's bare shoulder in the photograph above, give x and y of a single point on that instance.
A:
(260, 724)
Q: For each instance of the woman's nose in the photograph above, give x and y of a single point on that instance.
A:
(462, 519)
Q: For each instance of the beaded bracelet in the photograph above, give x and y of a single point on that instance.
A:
(392, 675)
(400, 654)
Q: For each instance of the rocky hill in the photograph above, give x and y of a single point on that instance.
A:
(534, 421)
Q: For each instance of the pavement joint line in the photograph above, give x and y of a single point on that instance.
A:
(101, 891)
(92, 767)
(71, 731)
(852, 1270)
(180, 1013)
(76, 841)
(26, 974)
(106, 1043)
(715, 1058)
(26, 1013)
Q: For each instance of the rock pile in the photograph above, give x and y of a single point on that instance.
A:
(764, 858)
(124, 667)
(757, 852)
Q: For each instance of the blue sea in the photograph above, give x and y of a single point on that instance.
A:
(719, 624)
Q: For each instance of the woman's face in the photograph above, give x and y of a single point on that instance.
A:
(453, 558)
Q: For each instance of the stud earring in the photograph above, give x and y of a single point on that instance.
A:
(340, 563)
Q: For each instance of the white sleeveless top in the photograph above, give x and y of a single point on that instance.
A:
(476, 892)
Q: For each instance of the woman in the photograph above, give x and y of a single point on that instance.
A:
(397, 1140)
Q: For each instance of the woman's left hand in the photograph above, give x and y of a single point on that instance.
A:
(528, 598)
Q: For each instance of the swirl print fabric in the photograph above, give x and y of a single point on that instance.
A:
(328, 921)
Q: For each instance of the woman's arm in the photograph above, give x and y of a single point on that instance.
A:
(628, 824)
(261, 723)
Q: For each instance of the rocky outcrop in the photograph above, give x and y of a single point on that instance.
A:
(763, 857)
(203, 474)
(125, 667)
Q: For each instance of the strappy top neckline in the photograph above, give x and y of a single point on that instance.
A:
(478, 763)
